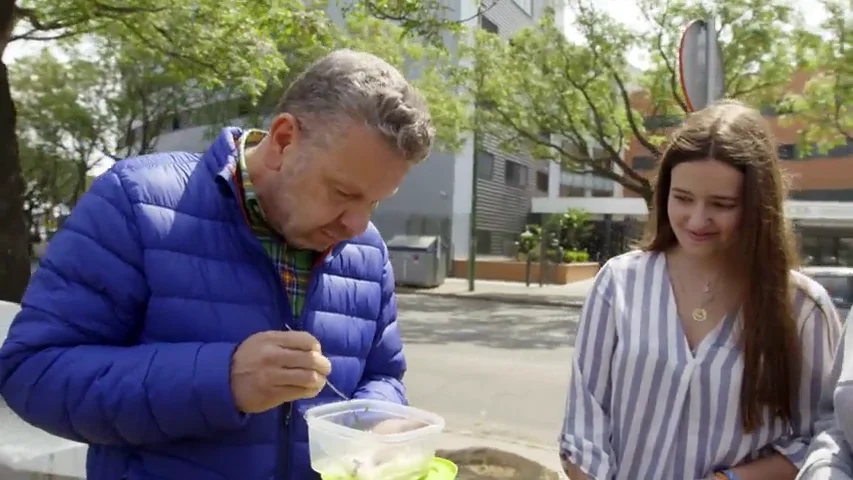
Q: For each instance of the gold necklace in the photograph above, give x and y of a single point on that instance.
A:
(700, 314)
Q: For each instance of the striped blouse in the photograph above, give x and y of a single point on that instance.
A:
(642, 405)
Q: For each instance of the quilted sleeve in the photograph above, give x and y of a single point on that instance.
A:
(70, 364)
(386, 365)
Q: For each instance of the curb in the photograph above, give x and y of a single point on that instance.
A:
(517, 299)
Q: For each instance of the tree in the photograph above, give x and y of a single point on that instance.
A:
(202, 44)
(431, 67)
(141, 97)
(428, 20)
(63, 121)
(824, 110)
(581, 103)
(49, 184)
(202, 40)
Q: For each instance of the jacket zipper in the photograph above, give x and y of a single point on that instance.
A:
(284, 463)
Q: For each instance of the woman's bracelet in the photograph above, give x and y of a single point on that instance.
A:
(725, 475)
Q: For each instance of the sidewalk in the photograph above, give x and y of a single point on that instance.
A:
(572, 294)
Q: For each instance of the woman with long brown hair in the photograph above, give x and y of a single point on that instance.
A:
(704, 353)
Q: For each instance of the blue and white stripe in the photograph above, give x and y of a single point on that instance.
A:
(642, 405)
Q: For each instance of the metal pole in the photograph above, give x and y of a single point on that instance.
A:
(711, 58)
(472, 236)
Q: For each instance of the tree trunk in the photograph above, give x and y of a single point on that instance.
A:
(648, 195)
(14, 237)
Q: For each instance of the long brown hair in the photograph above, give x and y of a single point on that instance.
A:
(731, 132)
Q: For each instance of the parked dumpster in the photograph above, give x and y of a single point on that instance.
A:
(418, 260)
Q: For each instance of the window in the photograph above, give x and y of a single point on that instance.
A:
(844, 150)
(542, 181)
(787, 151)
(484, 241)
(515, 174)
(662, 121)
(643, 162)
(488, 25)
(835, 195)
(770, 111)
(839, 288)
(525, 5)
(485, 165)
(814, 151)
(571, 191)
(602, 193)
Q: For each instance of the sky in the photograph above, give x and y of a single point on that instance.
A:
(628, 13)
(625, 11)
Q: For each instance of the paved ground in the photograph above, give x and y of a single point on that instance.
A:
(490, 368)
(572, 294)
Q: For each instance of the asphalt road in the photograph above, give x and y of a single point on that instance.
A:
(489, 368)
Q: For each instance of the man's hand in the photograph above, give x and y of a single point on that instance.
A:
(271, 368)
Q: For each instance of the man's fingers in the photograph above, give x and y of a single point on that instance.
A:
(297, 377)
(286, 358)
(294, 340)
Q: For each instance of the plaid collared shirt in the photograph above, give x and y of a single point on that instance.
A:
(293, 265)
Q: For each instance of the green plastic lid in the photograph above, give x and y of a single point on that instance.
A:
(441, 469)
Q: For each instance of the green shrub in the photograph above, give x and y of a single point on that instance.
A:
(575, 256)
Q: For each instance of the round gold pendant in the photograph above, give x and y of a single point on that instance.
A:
(700, 315)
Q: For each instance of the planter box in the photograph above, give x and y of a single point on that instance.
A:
(514, 271)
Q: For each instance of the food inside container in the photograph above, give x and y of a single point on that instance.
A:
(372, 440)
(377, 465)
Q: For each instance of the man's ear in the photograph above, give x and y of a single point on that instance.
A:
(285, 130)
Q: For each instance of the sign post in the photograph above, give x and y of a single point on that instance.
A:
(700, 65)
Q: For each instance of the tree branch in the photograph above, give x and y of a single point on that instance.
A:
(668, 64)
(629, 111)
(70, 24)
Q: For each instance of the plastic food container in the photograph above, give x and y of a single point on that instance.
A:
(372, 440)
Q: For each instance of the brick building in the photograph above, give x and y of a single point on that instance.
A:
(820, 198)
(814, 176)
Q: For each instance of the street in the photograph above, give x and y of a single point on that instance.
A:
(489, 368)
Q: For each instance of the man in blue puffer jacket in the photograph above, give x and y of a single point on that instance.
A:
(193, 306)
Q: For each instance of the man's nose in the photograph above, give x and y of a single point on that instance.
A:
(354, 223)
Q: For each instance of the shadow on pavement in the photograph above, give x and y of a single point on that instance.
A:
(438, 320)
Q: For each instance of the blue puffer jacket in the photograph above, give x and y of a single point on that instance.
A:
(128, 327)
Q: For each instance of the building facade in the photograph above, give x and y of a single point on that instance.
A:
(436, 196)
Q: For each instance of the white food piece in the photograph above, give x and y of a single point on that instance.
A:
(377, 464)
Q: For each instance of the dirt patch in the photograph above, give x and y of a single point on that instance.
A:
(491, 464)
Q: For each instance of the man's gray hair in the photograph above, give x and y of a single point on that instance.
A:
(346, 86)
